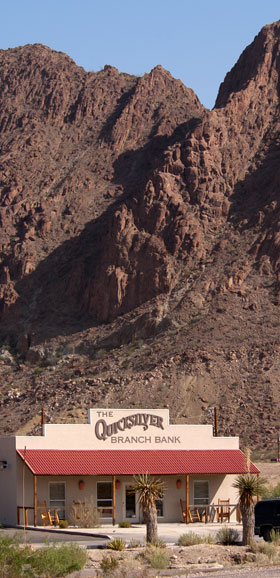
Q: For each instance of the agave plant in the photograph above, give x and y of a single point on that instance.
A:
(149, 490)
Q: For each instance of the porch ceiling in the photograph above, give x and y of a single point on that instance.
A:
(130, 462)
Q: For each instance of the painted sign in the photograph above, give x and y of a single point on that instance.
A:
(114, 426)
(104, 430)
(127, 429)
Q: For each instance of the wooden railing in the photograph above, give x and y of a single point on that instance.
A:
(105, 510)
(210, 513)
(23, 512)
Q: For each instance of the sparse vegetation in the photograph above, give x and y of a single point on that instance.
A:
(271, 491)
(17, 560)
(227, 536)
(108, 563)
(134, 544)
(125, 524)
(157, 557)
(275, 537)
(84, 514)
(116, 544)
(63, 524)
(127, 569)
(191, 538)
(158, 544)
(267, 548)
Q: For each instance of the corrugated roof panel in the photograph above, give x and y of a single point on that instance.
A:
(130, 462)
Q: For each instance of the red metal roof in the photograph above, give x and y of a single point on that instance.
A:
(130, 462)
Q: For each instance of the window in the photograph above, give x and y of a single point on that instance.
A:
(104, 499)
(130, 502)
(159, 507)
(201, 492)
(57, 498)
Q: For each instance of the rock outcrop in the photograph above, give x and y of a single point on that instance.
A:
(129, 211)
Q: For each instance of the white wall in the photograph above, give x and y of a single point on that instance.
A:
(8, 482)
(158, 434)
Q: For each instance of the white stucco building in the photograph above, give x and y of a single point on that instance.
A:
(96, 462)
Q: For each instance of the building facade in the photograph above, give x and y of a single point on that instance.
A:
(95, 464)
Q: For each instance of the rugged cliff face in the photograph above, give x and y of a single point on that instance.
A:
(140, 240)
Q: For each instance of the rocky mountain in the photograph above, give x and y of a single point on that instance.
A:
(140, 237)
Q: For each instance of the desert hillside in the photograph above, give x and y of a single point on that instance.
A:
(140, 243)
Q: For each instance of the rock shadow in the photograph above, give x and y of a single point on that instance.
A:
(44, 306)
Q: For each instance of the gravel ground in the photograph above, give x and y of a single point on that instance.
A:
(266, 572)
(222, 561)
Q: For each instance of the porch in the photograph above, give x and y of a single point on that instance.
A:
(193, 500)
(103, 480)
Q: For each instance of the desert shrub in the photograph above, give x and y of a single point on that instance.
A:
(191, 538)
(13, 557)
(108, 563)
(209, 539)
(116, 544)
(157, 557)
(267, 549)
(125, 524)
(127, 569)
(134, 544)
(275, 537)
(269, 491)
(84, 514)
(63, 524)
(157, 543)
(227, 536)
(51, 561)
(100, 354)
(59, 560)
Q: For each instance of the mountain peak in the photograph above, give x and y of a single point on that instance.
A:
(140, 240)
(258, 65)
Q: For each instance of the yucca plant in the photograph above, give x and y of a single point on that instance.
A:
(149, 490)
(116, 544)
(248, 486)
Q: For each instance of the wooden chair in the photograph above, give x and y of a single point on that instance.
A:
(223, 510)
(183, 508)
(47, 518)
(45, 514)
(194, 515)
(190, 514)
(55, 517)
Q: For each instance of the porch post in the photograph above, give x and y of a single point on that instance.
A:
(187, 497)
(35, 499)
(114, 500)
(258, 487)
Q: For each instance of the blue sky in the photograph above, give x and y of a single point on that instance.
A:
(197, 40)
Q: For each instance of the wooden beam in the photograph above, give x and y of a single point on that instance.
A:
(187, 497)
(114, 500)
(258, 487)
(215, 422)
(35, 499)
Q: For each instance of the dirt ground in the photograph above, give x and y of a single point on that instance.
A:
(181, 559)
(270, 471)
